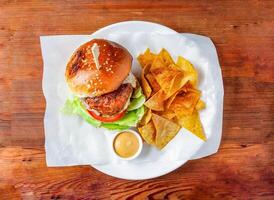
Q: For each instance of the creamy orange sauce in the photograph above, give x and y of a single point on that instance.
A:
(126, 144)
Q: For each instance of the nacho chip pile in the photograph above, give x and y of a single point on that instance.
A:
(173, 101)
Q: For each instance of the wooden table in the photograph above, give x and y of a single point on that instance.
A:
(243, 32)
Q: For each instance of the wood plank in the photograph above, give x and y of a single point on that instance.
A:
(225, 176)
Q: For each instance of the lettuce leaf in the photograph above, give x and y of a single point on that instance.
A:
(137, 92)
(75, 107)
(114, 127)
(140, 113)
(132, 117)
(129, 119)
(136, 103)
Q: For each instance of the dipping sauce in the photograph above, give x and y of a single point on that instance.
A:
(126, 144)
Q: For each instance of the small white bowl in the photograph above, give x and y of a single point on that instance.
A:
(140, 141)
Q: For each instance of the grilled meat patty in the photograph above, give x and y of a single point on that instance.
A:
(111, 103)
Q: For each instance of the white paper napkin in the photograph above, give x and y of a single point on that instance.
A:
(71, 141)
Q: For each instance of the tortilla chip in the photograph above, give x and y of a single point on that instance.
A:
(166, 77)
(172, 97)
(164, 54)
(188, 69)
(156, 102)
(193, 124)
(146, 117)
(158, 63)
(148, 132)
(186, 87)
(190, 99)
(200, 105)
(170, 100)
(178, 82)
(153, 83)
(181, 111)
(146, 58)
(166, 130)
(193, 90)
(184, 104)
(169, 114)
(144, 83)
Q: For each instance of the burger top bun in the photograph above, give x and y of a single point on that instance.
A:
(97, 67)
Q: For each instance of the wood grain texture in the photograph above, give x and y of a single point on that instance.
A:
(243, 32)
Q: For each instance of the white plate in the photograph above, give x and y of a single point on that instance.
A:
(146, 170)
(71, 141)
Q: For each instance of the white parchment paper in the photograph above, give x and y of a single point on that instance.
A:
(69, 140)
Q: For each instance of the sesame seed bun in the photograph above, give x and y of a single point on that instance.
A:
(82, 75)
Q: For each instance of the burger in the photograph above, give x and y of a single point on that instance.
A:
(105, 91)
